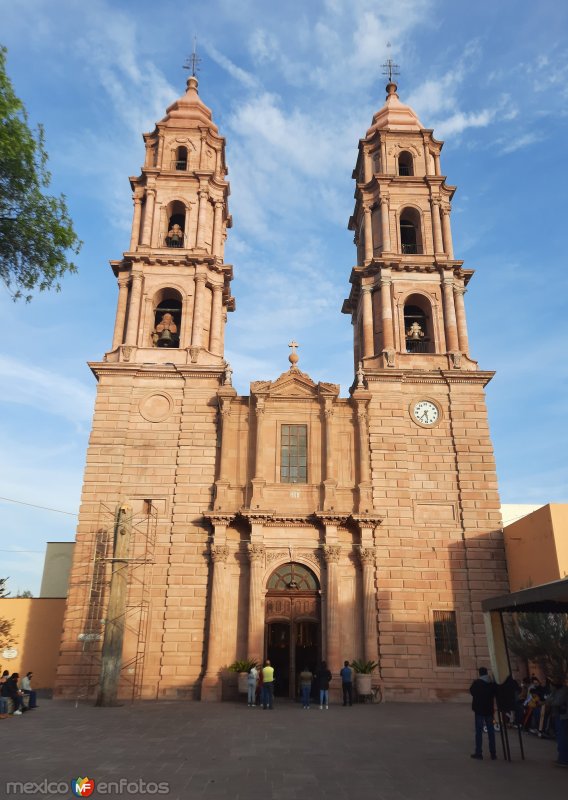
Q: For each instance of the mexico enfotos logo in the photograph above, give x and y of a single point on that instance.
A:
(84, 787)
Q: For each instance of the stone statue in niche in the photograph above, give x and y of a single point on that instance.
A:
(415, 331)
(165, 332)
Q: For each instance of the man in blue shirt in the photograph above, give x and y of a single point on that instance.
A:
(347, 683)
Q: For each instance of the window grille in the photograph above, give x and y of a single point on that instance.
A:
(293, 454)
(446, 638)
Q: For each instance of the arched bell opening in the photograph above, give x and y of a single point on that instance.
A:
(410, 232)
(175, 234)
(167, 319)
(405, 163)
(180, 161)
(293, 625)
(418, 328)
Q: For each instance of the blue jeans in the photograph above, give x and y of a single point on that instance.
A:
(251, 693)
(3, 705)
(306, 696)
(324, 697)
(562, 740)
(267, 694)
(480, 721)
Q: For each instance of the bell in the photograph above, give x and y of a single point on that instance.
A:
(165, 339)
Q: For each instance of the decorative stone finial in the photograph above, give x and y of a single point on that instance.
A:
(293, 358)
(360, 376)
(228, 375)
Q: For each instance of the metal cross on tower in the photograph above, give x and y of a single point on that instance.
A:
(193, 60)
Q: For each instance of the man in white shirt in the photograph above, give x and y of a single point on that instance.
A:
(27, 689)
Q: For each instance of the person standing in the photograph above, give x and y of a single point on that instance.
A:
(324, 677)
(268, 685)
(306, 678)
(252, 680)
(482, 691)
(347, 683)
(27, 689)
(559, 711)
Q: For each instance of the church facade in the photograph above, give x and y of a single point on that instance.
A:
(293, 523)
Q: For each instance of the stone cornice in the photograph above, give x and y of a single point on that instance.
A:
(425, 377)
(182, 371)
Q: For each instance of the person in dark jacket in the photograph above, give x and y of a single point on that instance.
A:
(482, 691)
(324, 677)
(10, 689)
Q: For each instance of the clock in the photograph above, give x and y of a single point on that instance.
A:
(425, 413)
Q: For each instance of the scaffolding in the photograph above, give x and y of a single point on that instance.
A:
(140, 564)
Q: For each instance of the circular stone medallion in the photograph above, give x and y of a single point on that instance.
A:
(156, 407)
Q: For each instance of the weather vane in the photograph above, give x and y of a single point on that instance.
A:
(389, 67)
(193, 60)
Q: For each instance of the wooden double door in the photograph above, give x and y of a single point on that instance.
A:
(292, 637)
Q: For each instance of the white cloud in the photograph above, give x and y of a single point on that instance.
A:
(246, 78)
(514, 142)
(48, 391)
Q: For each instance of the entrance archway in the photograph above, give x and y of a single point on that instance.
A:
(292, 625)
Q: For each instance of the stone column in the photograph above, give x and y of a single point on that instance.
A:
(192, 226)
(436, 226)
(211, 683)
(256, 609)
(437, 169)
(447, 231)
(202, 218)
(118, 336)
(383, 156)
(367, 165)
(197, 330)
(450, 316)
(459, 292)
(148, 216)
(202, 149)
(258, 482)
(218, 229)
(385, 227)
(331, 554)
(216, 320)
(330, 482)
(225, 412)
(135, 237)
(363, 441)
(368, 337)
(259, 411)
(131, 337)
(160, 151)
(369, 604)
(386, 314)
(368, 233)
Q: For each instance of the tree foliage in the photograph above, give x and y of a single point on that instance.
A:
(543, 640)
(36, 232)
(5, 624)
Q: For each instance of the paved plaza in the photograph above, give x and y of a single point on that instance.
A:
(226, 751)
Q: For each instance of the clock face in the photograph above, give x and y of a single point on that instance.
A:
(426, 412)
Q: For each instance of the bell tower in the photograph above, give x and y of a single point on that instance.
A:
(406, 301)
(174, 287)
(421, 405)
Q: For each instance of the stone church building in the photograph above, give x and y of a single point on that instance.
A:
(292, 523)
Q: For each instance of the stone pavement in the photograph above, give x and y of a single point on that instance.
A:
(225, 751)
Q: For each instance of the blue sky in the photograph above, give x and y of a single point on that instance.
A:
(292, 89)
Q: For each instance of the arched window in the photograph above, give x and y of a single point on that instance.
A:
(405, 163)
(167, 319)
(418, 325)
(180, 162)
(410, 234)
(293, 576)
(175, 234)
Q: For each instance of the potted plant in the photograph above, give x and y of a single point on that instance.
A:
(243, 667)
(363, 671)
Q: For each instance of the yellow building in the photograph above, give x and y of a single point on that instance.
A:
(537, 547)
